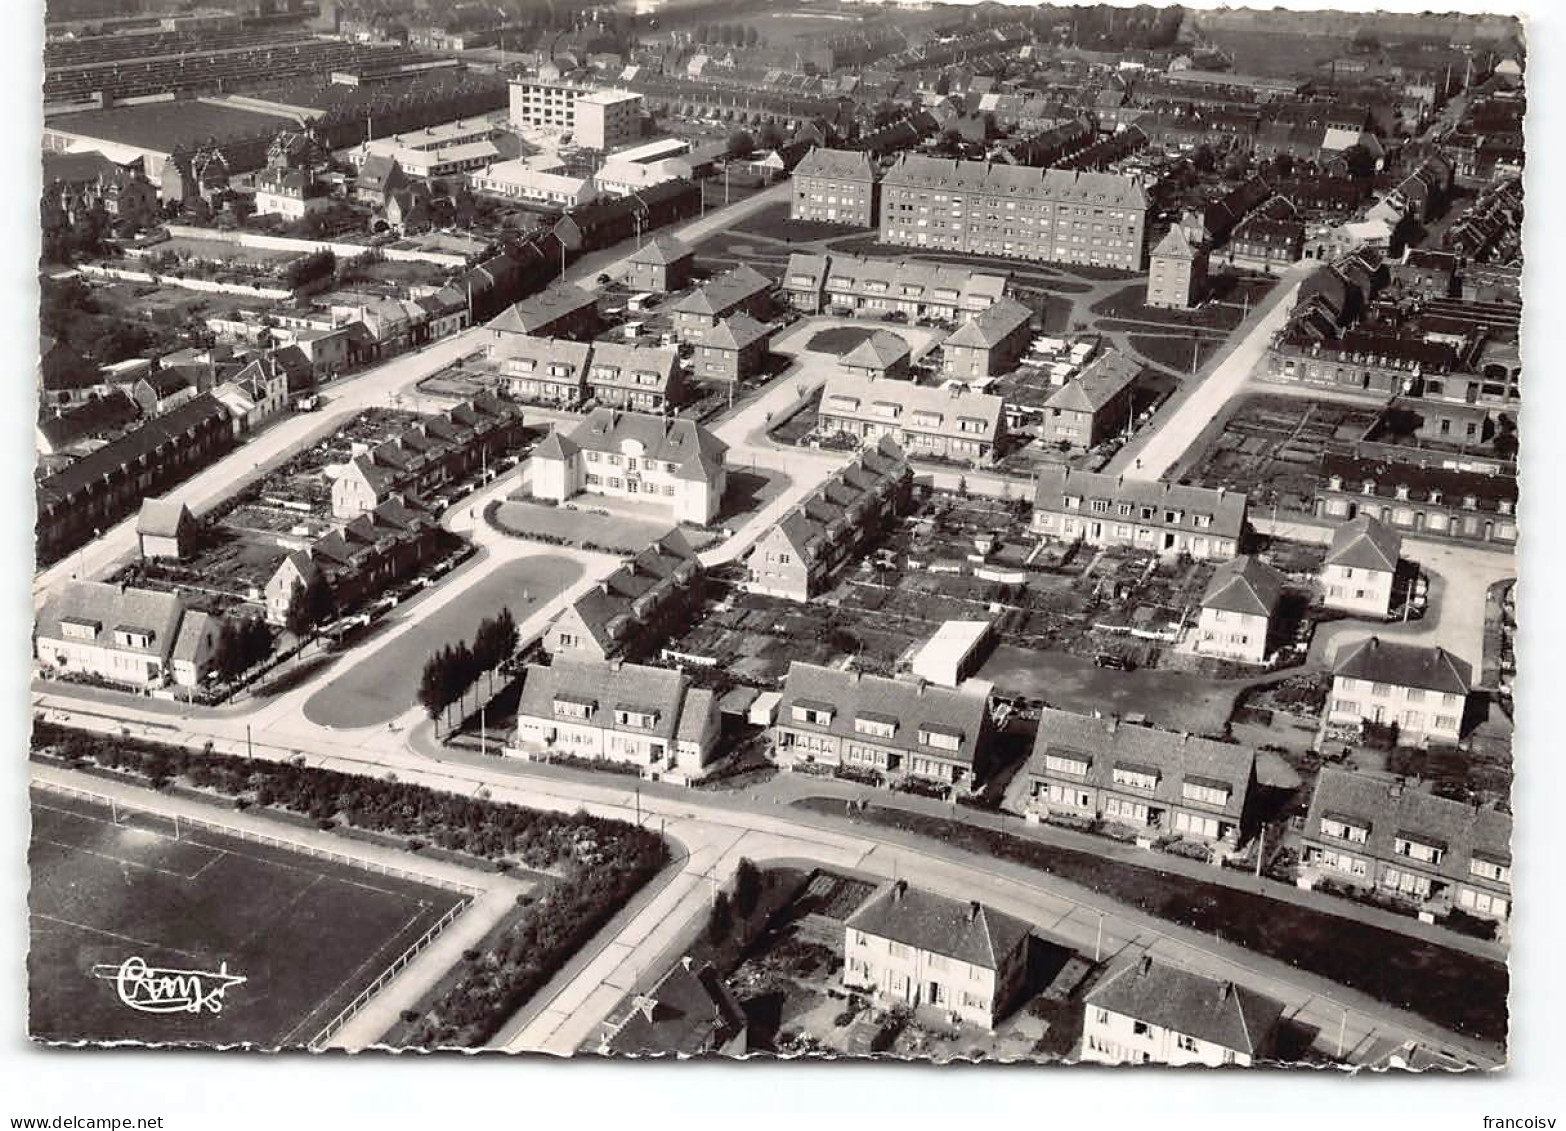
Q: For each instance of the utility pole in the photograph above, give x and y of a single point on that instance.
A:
(483, 733)
(1098, 943)
(1261, 850)
(250, 752)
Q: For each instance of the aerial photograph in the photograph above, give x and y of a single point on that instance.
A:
(690, 529)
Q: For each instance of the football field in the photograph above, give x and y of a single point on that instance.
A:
(305, 934)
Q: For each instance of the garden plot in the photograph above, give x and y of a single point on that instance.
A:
(1271, 446)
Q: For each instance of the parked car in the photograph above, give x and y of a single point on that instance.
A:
(1114, 662)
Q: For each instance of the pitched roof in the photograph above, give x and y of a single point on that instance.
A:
(1172, 757)
(918, 408)
(1245, 585)
(619, 364)
(159, 431)
(964, 931)
(991, 326)
(1097, 385)
(1365, 543)
(1425, 484)
(688, 1012)
(736, 332)
(920, 710)
(1404, 665)
(608, 611)
(193, 627)
(723, 293)
(678, 440)
(662, 250)
(1061, 185)
(842, 164)
(1175, 245)
(538, 312)
(1223, 1013)
(604, 687)
(1226, 509)
(880, 350)
(108, 607)
(162, 517)
(837, 504)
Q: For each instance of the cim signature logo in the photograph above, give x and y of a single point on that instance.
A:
(152, 989)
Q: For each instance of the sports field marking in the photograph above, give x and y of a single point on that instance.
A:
(357, 971)
(116, 935)
(126, 862)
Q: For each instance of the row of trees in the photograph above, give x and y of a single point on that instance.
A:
(242, 643)
(728, 35)
(453, 671)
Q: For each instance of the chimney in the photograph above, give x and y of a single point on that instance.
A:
(973, 910)
(1114, 723)
(1226, 991)
(686, 962)
(1145, 966)
(899, 889)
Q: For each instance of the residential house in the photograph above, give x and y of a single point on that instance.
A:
(436, 451)
(1156, 783)
(733, 350)
(836, 186)
(925, 421)
(1238, 611)
(1148, 514)
(671, 462)
(123, 635)
(95, 492)
(1360, 567)
(1263, 244)
(910, 947)
(165, 528)
(562, 311)
(661, 265)
(1093, 405)
(366, 555)
(1375, 832)
(689, 1011)
(1177, 271)
(629, 614)
(1427, 501)
(1427, 273)
(893, 728)
(545, 370)
(881, 355)
(990, 343)
(81, 428)
(650, 718)
(162, 390)
(1149, 1012)
(742, 289)
(638, 378)
(257, 393)
(797, 558)
(377, 178)
(290, 193)
(1053, 215)
(878, 288)
(606, 222)
(1421, 691)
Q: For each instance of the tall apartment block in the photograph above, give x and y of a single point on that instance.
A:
(1053, 215)
(597, 119)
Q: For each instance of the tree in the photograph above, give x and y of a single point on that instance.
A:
(433, 682)
(1204, 158)
(720, 921)
(770, 137)
(228, 658)
(311, 606)
(740, 143)
(747, 887)
(752, 36)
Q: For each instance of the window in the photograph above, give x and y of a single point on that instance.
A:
(1186, 1044)
(1066, 764)
(1489, 870)
(1141, 1028)
(1135, 778)
(1208, 794)
(879, 728)
(1343, 830)
(940, 739)
(1415, 850)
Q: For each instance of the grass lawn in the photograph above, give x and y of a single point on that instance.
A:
(1458, 991)
(1127, 304)
(382, 685)
(306, 934)
(773, 222)
(838, 340)
(579, 526)
(1176, 352)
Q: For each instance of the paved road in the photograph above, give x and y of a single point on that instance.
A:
(1461, 579)
(1182, 419)
(276, 445)
(706, 830)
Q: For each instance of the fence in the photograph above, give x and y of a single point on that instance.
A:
(337, 248)
(208, 286)
(271, 840)
(349, 1011)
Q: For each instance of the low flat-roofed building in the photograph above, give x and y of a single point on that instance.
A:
(517, 180)
(954, 653)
